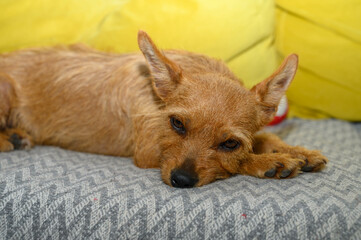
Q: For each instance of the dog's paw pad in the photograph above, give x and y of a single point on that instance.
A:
(285, 173)
(307, 168)
(314, 162)
(271, 173)
(283, 167)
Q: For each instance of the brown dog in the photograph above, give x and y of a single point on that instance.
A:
(180, 111)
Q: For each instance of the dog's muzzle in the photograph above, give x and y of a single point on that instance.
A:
(182, 179)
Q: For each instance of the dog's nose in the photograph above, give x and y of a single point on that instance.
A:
(181, 179)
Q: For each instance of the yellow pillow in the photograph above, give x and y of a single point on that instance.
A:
(327, 37)
(239, 32)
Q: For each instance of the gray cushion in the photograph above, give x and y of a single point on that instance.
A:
(51, 193)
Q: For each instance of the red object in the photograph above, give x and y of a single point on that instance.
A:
(244, 215)
(281, 112)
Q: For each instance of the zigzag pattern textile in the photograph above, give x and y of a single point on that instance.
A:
(51, 193)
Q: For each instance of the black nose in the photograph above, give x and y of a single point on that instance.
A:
(181, 179)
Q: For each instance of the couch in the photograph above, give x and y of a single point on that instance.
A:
(53, 193)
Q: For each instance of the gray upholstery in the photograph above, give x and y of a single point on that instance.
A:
(51, 193)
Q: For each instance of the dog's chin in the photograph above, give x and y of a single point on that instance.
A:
(166, 179)
(165, 171)
(200, 183)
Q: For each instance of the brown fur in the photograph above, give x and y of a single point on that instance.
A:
(123, 105)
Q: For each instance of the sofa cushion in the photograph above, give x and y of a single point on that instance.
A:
(239, 32)
(327, 38)
(51, 193)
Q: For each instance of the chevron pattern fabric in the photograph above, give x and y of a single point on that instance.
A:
(51, 193)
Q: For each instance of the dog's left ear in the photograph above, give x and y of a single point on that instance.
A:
(166, 74)
(270, 91)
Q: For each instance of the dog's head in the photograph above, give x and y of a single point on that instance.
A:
(209, 118)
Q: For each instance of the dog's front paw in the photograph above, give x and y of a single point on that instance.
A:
(283, 166)
(15, 139)
(314, 160)
(272, 165)
(20, 142)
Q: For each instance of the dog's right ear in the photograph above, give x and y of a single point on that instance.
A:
(166, 74)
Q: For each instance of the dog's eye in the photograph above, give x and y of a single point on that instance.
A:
(229, 145)
(177, 125)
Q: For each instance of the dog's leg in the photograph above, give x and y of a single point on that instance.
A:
(15, 139)
(19, 138)
(146, 156)
(10, 138)
(147, 152)
(271, 165)
(5, 145)
(270, 143)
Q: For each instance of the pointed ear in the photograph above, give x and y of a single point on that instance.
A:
(270, 91)
(166, 74)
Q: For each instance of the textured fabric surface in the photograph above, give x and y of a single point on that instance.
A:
(51, 193)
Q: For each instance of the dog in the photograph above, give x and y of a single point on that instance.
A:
(182, 112)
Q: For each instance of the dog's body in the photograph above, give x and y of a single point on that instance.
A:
(182, 112)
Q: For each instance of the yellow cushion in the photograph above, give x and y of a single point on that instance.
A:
(239, 32)
(327, 37)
